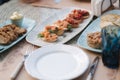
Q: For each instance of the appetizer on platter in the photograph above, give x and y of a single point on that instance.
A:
(9, 33)
(54, 29)
(94, 40)
(110, 19)
(48, 36)
(58, 28)
(73, 22)
(63, 24)
(79, 15)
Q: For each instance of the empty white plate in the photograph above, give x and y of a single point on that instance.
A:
(57, 62)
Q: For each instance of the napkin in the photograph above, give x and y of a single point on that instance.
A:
(98, 6)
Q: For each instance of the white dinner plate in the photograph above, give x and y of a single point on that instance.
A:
(32, 37)
(57, 62)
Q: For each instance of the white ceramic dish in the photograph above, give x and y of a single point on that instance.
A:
(33, 36)
(57, 62)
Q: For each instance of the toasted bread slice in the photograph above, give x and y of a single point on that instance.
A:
(20, 31)
(9, 33)
(3, 40)
(12, 35)
(105, 23)
(110, 19)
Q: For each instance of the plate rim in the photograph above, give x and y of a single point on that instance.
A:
(58, 45)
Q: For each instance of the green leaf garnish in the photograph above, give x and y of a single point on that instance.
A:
(40, 35)
(51, 31)
(69, 27)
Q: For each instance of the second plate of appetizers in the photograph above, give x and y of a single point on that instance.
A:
(92, 28)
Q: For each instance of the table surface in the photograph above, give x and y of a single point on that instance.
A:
(11, 58)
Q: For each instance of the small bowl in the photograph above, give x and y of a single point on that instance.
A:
(17, 22)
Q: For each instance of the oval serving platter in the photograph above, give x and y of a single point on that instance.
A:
(33, 36)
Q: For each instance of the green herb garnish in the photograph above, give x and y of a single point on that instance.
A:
(51, 31)
(69, 27)
(40, 35)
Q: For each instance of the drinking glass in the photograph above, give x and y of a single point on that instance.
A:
(111, 46)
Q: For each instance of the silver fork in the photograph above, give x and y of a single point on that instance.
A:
(20, 65)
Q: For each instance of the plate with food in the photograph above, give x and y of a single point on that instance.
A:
(57, 62)
(12, 32)
(60, 27)
(91, 37)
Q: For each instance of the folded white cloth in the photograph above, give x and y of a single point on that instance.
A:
(98, 6)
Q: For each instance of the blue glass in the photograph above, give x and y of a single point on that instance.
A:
(3, 1)
(111, 46)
